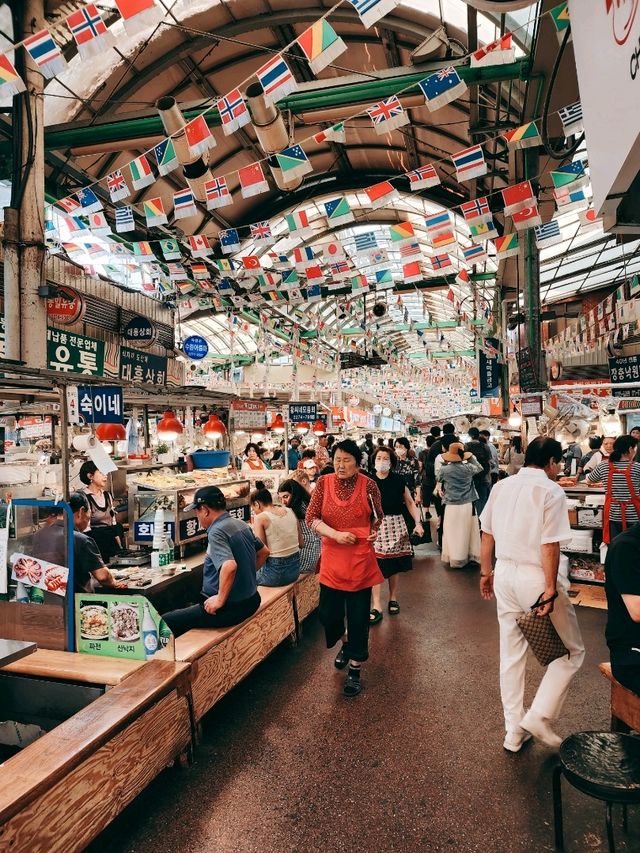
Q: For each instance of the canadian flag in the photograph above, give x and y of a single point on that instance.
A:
(200, 246)
(137, 15)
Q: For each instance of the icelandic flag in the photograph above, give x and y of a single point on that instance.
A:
(166, 158)
(365, 241)
(548, 234)
(89, 31)
(261, 233)
(441, 262)
(154, 212)
(371, 11)
(483, 229)
(252, 180)
(298, 223)
(525, 136)
(303, 257)
(423, 178)
(117, 186)
(388, 115)
(233, 111)
(138, 15)
(170, 250)
(184, 204)
(380, 194)
(401, 233)
(89, 201)
(293, 162)
(276, 79)
(198, 136)
(571, 118)
(141, 174)
(338, 211)
(229, 241)
(470, 163)
(507, 246)
(124, 219)
(442, 87)
(45, 53)
(10, 81)
(321, 45)
(217, 193)
(476, 210)
(499, 52)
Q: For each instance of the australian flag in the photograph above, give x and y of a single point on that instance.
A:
(442, 87)
(89, 200)
(229, 240)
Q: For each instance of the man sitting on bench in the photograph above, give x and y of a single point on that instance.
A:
(234, 554)
(622, 572)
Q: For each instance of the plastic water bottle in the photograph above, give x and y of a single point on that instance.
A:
(149, 633)
(169, 549)
(22, 593)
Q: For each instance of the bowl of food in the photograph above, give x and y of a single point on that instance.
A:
(94, 621)
(125, 623)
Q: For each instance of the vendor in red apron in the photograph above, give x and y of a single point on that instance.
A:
(346, 511)
(620, 476)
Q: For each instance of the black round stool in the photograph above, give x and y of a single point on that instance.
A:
(604, 765)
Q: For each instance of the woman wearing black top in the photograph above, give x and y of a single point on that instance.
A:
(392, 546)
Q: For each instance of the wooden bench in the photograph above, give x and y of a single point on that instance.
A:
(625, 704)
(221, 657)
(68, 666)
(61, 791)
(306, 597)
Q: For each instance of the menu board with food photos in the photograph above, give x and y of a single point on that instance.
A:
(121, 626)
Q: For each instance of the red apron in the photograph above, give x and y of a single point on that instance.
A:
(348, 567)
(610, 500)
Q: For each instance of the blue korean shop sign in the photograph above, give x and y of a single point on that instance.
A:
(136, 366)
(303, 412)
(100, 404)
(489, 368)
(140, 331)
(195, 347)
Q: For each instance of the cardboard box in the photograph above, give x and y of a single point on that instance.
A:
(573, 516)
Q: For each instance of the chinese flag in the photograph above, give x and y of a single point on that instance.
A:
(518, 197)
(198, 135)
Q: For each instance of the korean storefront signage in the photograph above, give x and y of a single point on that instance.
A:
(622, 369)
(531, 406)
(66, 307)
(303, 412)
(526, 370)
(249, 414)
(143, 531)
(71, 353)
(136, 366)
(489, 368)
(140, 332)
(100, 404)
(196, 347)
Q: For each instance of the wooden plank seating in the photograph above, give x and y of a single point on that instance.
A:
(625, 705)
(306, 595)
(221, 657)
(61, 791)
(68, 666)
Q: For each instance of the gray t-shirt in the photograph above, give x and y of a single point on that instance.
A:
(231, 539)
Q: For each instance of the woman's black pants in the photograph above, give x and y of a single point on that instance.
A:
(335, 604)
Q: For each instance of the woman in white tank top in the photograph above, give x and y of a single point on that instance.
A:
(277, 527)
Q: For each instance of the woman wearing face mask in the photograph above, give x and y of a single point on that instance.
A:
(409, 469)
(392, 546)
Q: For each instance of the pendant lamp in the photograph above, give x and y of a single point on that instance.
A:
(277, 425)
(169, 428)
(214, 428)
(303, 427)
(515, 418)
(111, 432)
(319, 428)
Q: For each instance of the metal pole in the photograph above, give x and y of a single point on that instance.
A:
(64, 441)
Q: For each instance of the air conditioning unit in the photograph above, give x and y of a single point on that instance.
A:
(351, 360)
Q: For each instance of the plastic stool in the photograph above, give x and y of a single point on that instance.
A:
(604, 765)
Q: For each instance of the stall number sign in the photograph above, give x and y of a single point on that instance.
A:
(195, 347)
(625, 368)
(249, 414)
(140, 331)
(143, 530)
(121, 626)
(138, 366)
(100, 405)
(70, 353)
(301, 412)
(242, 513)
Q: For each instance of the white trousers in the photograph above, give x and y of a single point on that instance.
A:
(516, 587)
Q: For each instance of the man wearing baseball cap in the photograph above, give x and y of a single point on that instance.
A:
(234, 554)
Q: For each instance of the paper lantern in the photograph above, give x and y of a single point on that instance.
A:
(303, 427)
(319, 428)
(169, 428)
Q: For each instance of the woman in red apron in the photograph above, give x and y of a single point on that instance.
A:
(346, 511)
(622, 478)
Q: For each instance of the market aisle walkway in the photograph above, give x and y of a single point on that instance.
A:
(415, 763)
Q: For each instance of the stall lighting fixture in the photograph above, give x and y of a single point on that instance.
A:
(319, 428)
(303, 427)
(214, 428)
(277, 425)
(111, 432)
(169, 428)
(515, 418)
(610, 424)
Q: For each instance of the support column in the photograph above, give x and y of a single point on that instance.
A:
(530, 277)
(25, 309)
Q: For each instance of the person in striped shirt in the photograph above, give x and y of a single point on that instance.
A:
(620, 476)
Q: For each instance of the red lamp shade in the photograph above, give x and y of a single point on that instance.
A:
(277, 424)
(319, 428)
(303, 427)
(111, 432)
(169, 428)
(214, 428)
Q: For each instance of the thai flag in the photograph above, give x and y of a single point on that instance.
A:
(276, 79)
(474, 254)
(45, 53)
(183, 203)
(469, 163)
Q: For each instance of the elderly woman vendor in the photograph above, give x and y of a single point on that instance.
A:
(346, 511)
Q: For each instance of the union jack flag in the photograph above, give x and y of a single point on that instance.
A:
(233, 111)
(261, 232)
(117, 185)
(387, 115)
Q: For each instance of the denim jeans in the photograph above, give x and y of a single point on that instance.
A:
(279, 571)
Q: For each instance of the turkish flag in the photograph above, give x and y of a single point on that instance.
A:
(251, 262)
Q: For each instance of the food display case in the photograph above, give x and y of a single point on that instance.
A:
(584, 551)
(171, 494)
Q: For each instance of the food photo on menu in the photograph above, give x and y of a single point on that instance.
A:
(39, 573)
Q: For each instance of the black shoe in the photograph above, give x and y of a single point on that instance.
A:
(342, 658)
(352, 685)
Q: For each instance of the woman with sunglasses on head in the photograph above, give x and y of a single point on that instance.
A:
(292, 495)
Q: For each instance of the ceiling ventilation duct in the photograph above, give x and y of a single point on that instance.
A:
(271, 132)
(196, 171)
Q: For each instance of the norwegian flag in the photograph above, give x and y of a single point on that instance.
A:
(387, 115)
(233, 111)
(117, 186)
(217, 193)
(476, 210)
(441, 262)
(261, 233)
(423, 178)
(200, 246)
(339, 269)
(198, 136)
(89, 31)
(276, 79)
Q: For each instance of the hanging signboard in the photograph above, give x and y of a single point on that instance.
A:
(195, 347)
(140, 332)
(66, 307)
(531, 406)
(100, 404)
(71, 353)
(622, 369)
(303, 413)
(249, 415)
(489, 368)
(136, 366)
(526, 370)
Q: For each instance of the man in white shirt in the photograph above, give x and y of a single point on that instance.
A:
(524, 523)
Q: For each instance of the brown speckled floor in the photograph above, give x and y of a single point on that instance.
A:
(415, 763)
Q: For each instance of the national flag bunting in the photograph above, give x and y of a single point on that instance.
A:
(250, 262)
(507, 246)
(229, 241)
(380, 194)
(366, 240)
(45, 53)
(335, 133)
(293, 162)
(440, 239)
(442, 87)
(143, 251)
(461, 278)
(10, 81)
(470, 163)
(474, 254)
(314, 293)
(333, 251)
(411, 251)
(568, 199)
(571, 118)
(217, 193)
(423, 178)
(525, 136)
(548, 234)
(401, 232)
(198, 136)
(527, 218)
(560, 17)
(412, 272)
(89, 31)
(321, 45)
(141, 174)
(388, 115)
(200, 246)
(303, 256)
(117, 186)
(441, 262)
(438, 223)
(170, 250)
(498, 52)
(377, 257)
(476, 210)
(276, 79)
(124, 219)
(138, 15)
(483, 229)
(199, 271)
(261, 233)
(69, 204)
(298, 223)
(177, 272)
(184, 204)
(339, 269)
(518, 197)
(89, 201)
(338, 211)
(383, 279)
(98, 223)
(153, 209)
(371, 11)
(233, 111)
(573, 174)
(359, 283)
(252, 180)
(165, 154)
(589, 220)
(290, 278)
